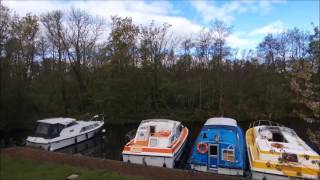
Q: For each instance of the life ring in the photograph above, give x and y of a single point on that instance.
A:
(277, 145)
(202, 147)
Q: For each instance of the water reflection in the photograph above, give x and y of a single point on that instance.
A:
(94, 147)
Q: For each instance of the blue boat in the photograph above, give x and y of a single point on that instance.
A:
(219, 148)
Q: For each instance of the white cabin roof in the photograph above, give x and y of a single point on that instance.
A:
(221, 121)
(160, 123)
(59, 120)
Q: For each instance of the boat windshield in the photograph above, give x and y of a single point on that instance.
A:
(48, 130)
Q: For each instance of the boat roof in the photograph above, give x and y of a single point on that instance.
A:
(59, 120)
(221, 121)
(160, 120)
(160, 123)
(293, 144)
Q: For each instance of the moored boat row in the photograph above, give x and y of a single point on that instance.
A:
(269, 150)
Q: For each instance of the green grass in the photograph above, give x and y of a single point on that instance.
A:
(16, 169)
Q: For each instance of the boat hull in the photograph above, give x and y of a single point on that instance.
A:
(260, 170)
(159, 161)
(219, 170)
(255, 175)
(55, 145)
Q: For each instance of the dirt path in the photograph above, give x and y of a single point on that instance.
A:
(110, 165)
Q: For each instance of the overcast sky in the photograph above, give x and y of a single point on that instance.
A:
(251, 19)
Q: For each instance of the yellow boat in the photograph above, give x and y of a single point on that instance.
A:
(276, 152)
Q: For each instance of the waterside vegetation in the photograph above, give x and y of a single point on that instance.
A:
(59, 64)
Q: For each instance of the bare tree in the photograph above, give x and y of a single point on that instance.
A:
(203, 46)
(153, 40)
(219, 32)
(82, 34)
(53, 23)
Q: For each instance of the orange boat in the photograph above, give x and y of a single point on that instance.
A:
(158, 142)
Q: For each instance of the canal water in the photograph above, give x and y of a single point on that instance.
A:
(109, 145)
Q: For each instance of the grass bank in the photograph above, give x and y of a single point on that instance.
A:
(26, 163)
(16, 169)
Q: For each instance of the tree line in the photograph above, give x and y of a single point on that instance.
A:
(67, 64)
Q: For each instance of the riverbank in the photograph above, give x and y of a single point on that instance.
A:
(23, 169)
(116, 169)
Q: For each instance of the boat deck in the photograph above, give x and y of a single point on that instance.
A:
(278, 151)
(291, 143)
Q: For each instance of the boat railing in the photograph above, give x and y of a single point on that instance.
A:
(264, 122)
(97, 117)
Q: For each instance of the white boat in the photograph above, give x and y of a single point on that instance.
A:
(276, 152)
(158, 142)
(55, 133)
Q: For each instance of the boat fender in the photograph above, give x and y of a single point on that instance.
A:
(164, 165)
(202, 147)
(144, 162)
(87, 136)
(49, 148)
(75, 140)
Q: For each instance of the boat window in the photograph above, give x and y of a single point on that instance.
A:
(48, 130)
(213, 150)
(204, 135)
(86, 128)
(72, 124)
(42, 130)
(56, 129)
(172, 139)
(289, 157)
(277, 136)
(228, 155)
(153, 142)
(152, 129)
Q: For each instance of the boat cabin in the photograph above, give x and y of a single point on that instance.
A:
(157, 133)
(219, 147)
(51, 128)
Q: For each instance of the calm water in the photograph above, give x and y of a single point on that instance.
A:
(110, 144)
